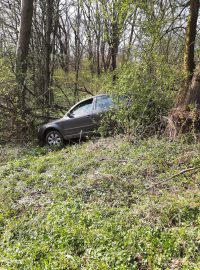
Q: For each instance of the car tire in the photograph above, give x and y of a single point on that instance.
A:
(54, 138)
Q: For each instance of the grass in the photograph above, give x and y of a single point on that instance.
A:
(89, 206)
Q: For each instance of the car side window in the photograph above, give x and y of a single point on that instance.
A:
(103, 103)
(82, 109)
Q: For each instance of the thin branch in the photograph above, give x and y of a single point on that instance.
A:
(172, 177)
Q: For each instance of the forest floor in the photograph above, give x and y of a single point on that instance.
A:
(103, 204)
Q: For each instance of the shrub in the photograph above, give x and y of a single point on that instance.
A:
(144, 92)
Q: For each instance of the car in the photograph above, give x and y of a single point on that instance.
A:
(81, 120)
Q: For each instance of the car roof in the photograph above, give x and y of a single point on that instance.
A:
(100, 95)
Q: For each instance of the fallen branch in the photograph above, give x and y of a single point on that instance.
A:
(116, 160)
(172, 177)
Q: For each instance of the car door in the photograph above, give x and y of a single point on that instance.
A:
(102, 105)
(79, 120)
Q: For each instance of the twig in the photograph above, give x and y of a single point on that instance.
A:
(116, 160)
(173, 176)
(85, 90)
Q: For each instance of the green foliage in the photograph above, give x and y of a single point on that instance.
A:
(86, 207)
(8, 98)
(147, 89)
(7, 78)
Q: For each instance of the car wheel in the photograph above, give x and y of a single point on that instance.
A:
(54, 138)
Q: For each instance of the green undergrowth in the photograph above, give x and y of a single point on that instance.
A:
(99, 205)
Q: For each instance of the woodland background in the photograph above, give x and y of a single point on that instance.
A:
(125, 202)
(55, 52)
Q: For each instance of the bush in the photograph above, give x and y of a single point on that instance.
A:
(144, 92)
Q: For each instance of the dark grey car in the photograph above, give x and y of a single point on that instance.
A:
(81, 120)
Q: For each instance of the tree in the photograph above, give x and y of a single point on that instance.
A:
(22, 51)
(48, 51)
(182, 117)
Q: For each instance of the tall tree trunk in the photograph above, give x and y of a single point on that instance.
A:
(114, 47)
(47, 74)
(77, 52)
(189, 62)
(98, 38)
(185, 116)
(22, 52)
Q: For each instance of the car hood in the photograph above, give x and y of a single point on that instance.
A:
(58, 121)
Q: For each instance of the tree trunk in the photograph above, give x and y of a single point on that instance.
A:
(114, 44)
(184, 117)
(77, 52)
(48, 51)
(22, 52)
(189, 62)
(98, 38)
